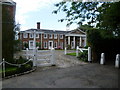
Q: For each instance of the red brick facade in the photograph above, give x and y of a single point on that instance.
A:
(54, 39)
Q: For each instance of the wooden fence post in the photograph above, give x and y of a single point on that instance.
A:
(117, 61)
(102, 60)
(65, 51)
(27, 53)
(53, 56)
(77, 51)
(89, 54)
(3, 67)
(34, 57)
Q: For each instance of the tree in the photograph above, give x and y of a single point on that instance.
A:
(79, 11)
(109, 18)
(7, 34)
(104, 15)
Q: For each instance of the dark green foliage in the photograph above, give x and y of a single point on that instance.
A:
(25, 45)
(20, 69)
(109, 18)
(17, 46)
(83, 56)
(38, 44)
(68, 47)
(102, 42)
(77, 10)
(105, 14)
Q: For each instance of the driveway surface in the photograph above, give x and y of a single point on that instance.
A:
(69, 73)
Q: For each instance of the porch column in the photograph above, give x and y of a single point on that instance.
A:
(41, 40)
(34, 34)
(58, 39)
(80, 41)
(85, 41)
(68, 40)
(65, 42)
(74, 41)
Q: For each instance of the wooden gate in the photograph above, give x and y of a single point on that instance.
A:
(41, 57)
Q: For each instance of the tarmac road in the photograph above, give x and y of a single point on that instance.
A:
(90, 75)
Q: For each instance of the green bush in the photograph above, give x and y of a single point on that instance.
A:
(83, 56)
(11, 70)
(102, 41)
(68, 47)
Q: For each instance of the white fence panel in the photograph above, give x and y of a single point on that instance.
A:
(83, 49)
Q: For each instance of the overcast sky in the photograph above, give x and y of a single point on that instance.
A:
(29, 12)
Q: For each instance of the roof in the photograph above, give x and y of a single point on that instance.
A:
(54, 31)
(10, 2)
(46, 31)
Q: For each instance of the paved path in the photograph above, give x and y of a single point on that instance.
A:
(77, 75)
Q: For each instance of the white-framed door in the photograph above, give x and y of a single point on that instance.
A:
(50, 45)
(31, 44)
(72, 45)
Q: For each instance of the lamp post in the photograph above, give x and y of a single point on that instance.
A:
(34, 48)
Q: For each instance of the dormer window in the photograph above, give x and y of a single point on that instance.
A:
(50, 36)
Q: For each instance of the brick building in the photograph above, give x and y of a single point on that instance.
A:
(46, 39)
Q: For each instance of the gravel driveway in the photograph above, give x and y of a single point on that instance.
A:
(69, 73)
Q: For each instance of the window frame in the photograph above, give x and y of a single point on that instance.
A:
(37, 36)
(61, 45)
(61, 37)
(45, 44)
(51, 36)
(46, 35)
(30, 35)
(55, 35)
(55, 44)
(25, 35)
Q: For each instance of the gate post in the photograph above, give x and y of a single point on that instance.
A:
(77, 51)
(102, 60)
(65, 51)
(53, 57)
(34, 50)
(3, 67)
(117, 61)
(89, 54)
(27, 53)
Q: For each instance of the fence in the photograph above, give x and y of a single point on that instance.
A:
(36, 55)
(81, 50)
(33, 56)
(17, 65)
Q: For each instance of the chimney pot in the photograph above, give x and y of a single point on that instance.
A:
(38, 25)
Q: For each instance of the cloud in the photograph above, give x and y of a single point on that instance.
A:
(25, 7)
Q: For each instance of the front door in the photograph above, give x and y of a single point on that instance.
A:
(50, 44)
(31, 44)
(72, 45)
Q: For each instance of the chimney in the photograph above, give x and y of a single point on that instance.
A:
(38, 25)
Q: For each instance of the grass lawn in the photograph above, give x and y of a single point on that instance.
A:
(8, 69)
(72, 54)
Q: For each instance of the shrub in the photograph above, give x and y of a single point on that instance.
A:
(68, 47)
(11, 70)
(83, 56)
